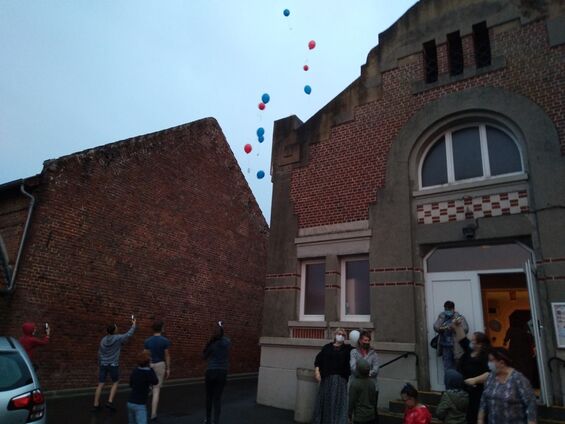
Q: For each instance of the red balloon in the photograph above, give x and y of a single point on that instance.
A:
(262, 106)
(247, 148)
(311, 44)
(306, 67)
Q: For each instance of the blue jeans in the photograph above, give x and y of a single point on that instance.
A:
(448, 357)
(137, 414)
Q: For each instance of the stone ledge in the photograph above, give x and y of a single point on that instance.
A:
(378, 346)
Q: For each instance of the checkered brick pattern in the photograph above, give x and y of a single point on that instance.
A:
(473, 207)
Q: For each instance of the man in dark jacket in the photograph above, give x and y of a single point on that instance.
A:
(363, 396)
(109, 360)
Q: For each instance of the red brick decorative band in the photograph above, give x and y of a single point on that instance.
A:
(308, 333)
(397, 269)
(282, 288)
(397, 283)
(273, 276)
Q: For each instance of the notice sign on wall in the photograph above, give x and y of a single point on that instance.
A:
(559, 322)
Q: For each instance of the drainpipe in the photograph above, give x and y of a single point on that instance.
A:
(12, 282)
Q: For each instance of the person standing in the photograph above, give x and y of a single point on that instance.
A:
(508, 397)
(363, 396)
(332, 370)
(158, 347)
(364, 351)
(452, 408)
(415, 412)
(140, 380)
(30, 341)
(447, 347)
(473, 365)
(216, 353)
(108, 361)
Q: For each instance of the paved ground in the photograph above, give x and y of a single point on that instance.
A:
(185, 404)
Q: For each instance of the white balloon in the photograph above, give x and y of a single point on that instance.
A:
(354, 337)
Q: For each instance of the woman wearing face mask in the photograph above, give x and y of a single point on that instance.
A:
(364, 351)
(508, 397)
(332, 371)
(473, 363)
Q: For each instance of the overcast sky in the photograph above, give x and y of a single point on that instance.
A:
(77, 74)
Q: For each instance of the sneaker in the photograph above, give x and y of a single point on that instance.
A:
(110, 406)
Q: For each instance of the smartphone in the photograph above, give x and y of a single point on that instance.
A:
(46, 327)
(132, 317)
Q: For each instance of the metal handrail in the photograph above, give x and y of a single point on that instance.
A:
(403, 356)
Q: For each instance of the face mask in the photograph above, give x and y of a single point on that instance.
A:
(472, 346)
(492, 366)
(449, 314)
(339, 338)
(366, 346)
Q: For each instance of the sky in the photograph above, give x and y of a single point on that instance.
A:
(76, 74)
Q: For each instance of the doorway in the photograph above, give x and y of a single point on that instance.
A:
(508, 320)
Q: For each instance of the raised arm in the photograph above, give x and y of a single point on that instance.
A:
(125, 337)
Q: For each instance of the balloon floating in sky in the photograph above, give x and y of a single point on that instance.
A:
(261, 174)
(247, 148)
(305, 67)
(261, 106)
(311, 44)
(265, 98)
(261, 139)
(260, 132)
(286, 12)
(307, 89)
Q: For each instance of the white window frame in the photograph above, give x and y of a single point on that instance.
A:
(304, 317)
(343, 315)
(451, 181)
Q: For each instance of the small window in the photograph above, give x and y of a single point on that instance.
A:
(312, 305)
(355, 292)
(14, 372)
(481, 43)
(430, 61)
(455, 53)
(470, 153)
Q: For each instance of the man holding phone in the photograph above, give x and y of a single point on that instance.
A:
(29, 341)
(108, 360)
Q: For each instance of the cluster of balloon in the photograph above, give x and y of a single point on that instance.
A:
(311, 46)
(261, 175)
(261, 134)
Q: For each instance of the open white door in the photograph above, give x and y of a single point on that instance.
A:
(538, 330)
(464, 289)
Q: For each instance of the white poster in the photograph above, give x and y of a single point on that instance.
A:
(559, 322)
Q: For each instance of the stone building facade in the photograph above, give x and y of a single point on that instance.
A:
(437, 175)
(162, 226)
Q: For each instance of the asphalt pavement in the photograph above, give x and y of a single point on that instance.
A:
(178, 404)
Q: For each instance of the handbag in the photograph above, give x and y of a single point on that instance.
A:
(434, 342)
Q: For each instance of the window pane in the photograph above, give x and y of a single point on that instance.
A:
(357, 298)
(434, 168)
(503, 153)
(467, 160)
(314, 289)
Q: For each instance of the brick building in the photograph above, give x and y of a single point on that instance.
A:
(437, 175)
(162, 225)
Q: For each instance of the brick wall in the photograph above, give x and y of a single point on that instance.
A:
(345, 171)
(161, 226)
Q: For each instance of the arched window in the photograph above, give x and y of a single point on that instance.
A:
(470, 153)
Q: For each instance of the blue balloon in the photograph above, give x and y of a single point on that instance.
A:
(286, 12)
(261, 175)
(261, 139)
(307, 89)
(260, 131)
(265, 98)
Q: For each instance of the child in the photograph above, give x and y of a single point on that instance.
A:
(415, 413)
(452, 408)
(140, 380)
(363, 396)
